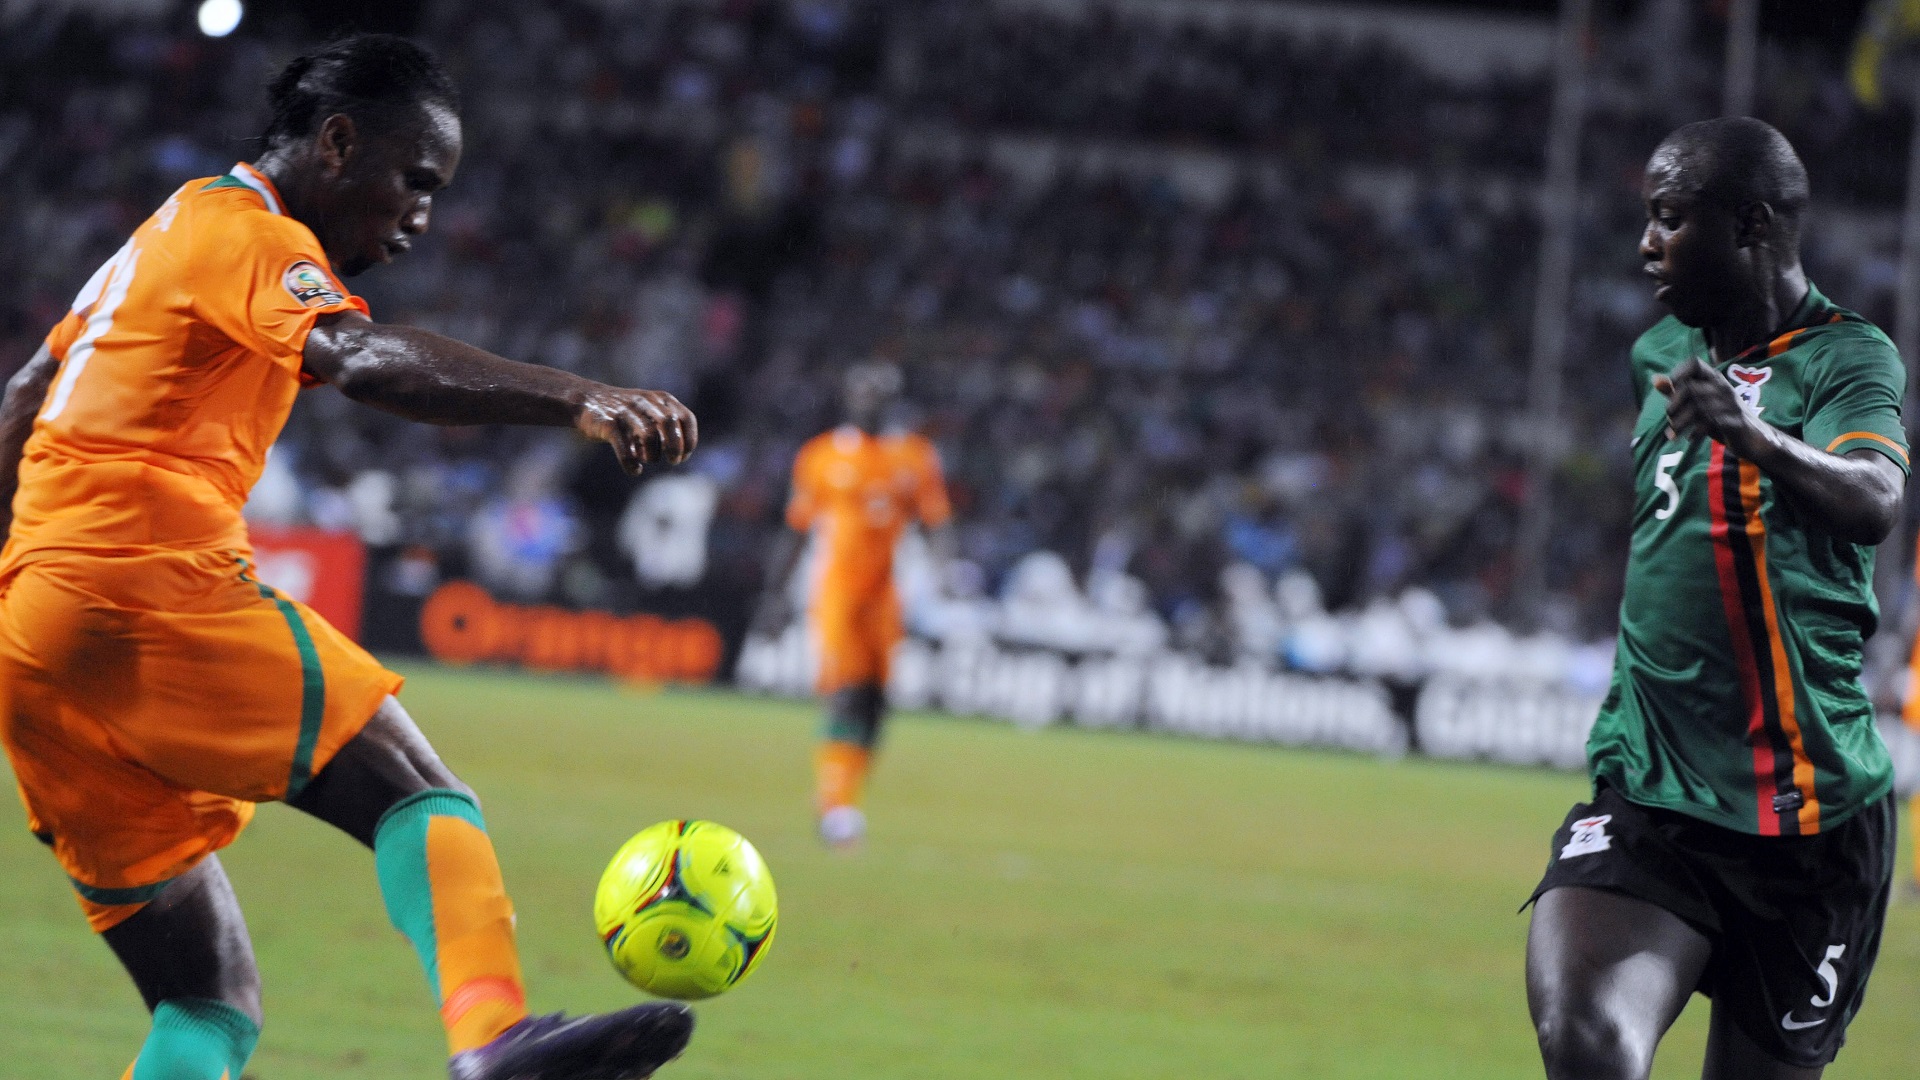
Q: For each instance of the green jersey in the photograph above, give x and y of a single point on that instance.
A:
(1736, 693)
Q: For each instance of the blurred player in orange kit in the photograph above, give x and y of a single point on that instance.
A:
(855, 490)
(1910, 712)
(152, 690)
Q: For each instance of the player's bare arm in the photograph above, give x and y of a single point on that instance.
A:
(26, 392)
(1857, 495)
(424, 376)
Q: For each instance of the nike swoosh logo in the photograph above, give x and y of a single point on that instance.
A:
(1791, 1024)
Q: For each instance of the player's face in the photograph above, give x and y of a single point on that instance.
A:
(1690, 247)
(385, 192)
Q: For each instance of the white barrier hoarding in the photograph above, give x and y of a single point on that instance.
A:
(1163, 692)
(1511, 721)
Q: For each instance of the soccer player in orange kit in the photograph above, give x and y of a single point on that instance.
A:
(855, 490)
(1910, 713)
(152, 690)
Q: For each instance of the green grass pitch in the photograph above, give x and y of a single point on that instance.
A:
(1060, 904)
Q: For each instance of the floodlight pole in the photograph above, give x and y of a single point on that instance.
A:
(1886, 652)
(1743, 57)
(1906, 318)
(1553, 291)
(1906, 301)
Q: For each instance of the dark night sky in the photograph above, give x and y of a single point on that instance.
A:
(1835, 20)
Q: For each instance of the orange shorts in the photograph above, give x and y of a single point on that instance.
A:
(148, 701)
(855, 637)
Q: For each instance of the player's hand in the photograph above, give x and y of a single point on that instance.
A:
(1702, 402)
(642, 426)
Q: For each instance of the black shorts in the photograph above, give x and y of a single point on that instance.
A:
(1794, 920)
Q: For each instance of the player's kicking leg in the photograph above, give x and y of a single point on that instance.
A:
(845, 756)
(1606, 976)
(1912, 887)
(389, 790)
(188, 953)
(1642, 906)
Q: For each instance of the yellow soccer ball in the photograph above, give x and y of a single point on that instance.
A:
(686, 909)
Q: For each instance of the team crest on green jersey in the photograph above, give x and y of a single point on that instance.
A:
(1747, 382)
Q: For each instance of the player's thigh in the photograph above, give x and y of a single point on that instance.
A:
(121, 832)
(213, 681)
(191, 941)
(1803, 920)
(253, 702)
(1607, 974)
(855, 638)
(387, 761)
(1731, 1055)
(839, 648)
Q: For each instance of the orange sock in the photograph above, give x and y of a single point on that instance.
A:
(443, 891)
(473, 922)
(841, 770)
(1913, 808)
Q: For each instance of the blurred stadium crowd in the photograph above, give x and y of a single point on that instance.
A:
(1198, 311)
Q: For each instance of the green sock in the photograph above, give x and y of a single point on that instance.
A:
(196, 1039)
(854, 715)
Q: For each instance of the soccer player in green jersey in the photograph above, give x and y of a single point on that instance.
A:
(1740, 837)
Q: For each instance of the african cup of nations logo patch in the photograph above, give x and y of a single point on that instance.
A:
(1747, 382)
(310, 285)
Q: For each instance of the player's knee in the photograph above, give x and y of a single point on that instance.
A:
(387, 764)
(392, 748)
(244, 994)
(1584, 1044)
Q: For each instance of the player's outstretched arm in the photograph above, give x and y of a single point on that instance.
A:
(26, 392)
(434, 379)
(1856, 497)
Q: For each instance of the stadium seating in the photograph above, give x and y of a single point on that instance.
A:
(1227, 303)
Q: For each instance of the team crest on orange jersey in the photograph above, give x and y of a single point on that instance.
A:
(1747, 382)
(310, 285)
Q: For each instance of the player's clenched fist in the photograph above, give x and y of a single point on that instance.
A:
(642, 426)
(1701, 401)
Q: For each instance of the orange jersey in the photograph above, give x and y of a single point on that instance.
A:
(150, 688)
(179, 363)
(1910, 706)
(860, 491)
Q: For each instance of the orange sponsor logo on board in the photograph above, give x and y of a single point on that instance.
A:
(462, 624)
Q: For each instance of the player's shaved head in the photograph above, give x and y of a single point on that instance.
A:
(874, 377)
(870, 389)
(377, 79)
(1737, 161)
(1725, 199)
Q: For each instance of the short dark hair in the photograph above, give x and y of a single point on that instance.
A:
(1736, 161)
(378, 79)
